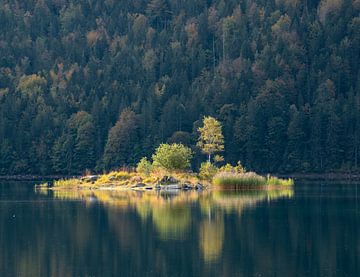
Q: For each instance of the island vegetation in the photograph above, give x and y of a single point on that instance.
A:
(170, 169)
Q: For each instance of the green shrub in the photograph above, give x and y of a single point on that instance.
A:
(207, 171)
(172, 157)
(144, 167)
(233, 169)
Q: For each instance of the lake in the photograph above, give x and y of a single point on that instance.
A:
(312, 230)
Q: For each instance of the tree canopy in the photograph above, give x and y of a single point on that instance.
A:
(282, 77)
(172, 157)
(211, 139)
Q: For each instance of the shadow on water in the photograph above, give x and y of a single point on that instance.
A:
(309, 231)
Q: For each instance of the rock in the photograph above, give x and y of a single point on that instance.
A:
(187, 187)
(164, 179)
(199, 186)
(139, 185)
(168, 180)
(149, 188)
(172, 187)
(90, 178)
(172, 180)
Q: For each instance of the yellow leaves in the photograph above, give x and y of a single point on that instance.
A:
(31, 84)
(211, 139)
(211, 238)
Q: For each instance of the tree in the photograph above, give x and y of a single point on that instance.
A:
(211, 139)
(31, 84)
(144, 167)
(172, 156)
(119, 149)
(74, 151)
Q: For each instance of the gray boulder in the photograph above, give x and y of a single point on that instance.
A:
(139, 185)
(172, 187)
(199, 186)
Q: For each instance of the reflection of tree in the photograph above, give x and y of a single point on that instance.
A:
(211, 235)
(171, 213)
(70, 238)
(236, 201)
(171, 221)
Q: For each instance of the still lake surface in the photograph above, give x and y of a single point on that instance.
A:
(312, 230)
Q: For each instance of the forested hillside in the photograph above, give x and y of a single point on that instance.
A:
(97, 84)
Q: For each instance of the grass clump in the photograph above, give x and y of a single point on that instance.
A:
(67, 183)
(238, 179)
(274, 181)
(248, 179)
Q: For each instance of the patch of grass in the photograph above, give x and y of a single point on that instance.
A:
(238, 179)
(274, 181)
(67, 183)
(249, 179)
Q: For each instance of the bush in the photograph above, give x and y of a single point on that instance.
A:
(207, 171)
(144, 167)
(233, 169)
(172, 157)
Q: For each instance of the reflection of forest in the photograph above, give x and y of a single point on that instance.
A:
(171, 213)
(207, 234)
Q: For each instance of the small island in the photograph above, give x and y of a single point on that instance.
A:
(170, 170)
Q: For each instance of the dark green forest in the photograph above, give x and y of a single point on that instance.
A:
(97, 84)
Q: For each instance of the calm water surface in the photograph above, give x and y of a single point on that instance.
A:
(310, 231)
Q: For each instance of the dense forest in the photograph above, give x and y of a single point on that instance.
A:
(97, 84)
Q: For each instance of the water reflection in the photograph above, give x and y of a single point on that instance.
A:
(211, 235)
(312, 232)
(171, 213)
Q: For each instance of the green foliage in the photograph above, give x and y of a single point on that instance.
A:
(229, 179)
(233, 169)
(172, 157)
(74, 150)
(233, 180)
(274, 181)
(282, 77)
(211, 139)
(144, 167)
(218, 159)
(31, 84)
(119, 149)
(68, 183)
(207, 171)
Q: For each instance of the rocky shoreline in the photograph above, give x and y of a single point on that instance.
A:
(166, 183)
(332, 176)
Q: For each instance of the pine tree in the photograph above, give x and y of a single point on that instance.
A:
(122, 139)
